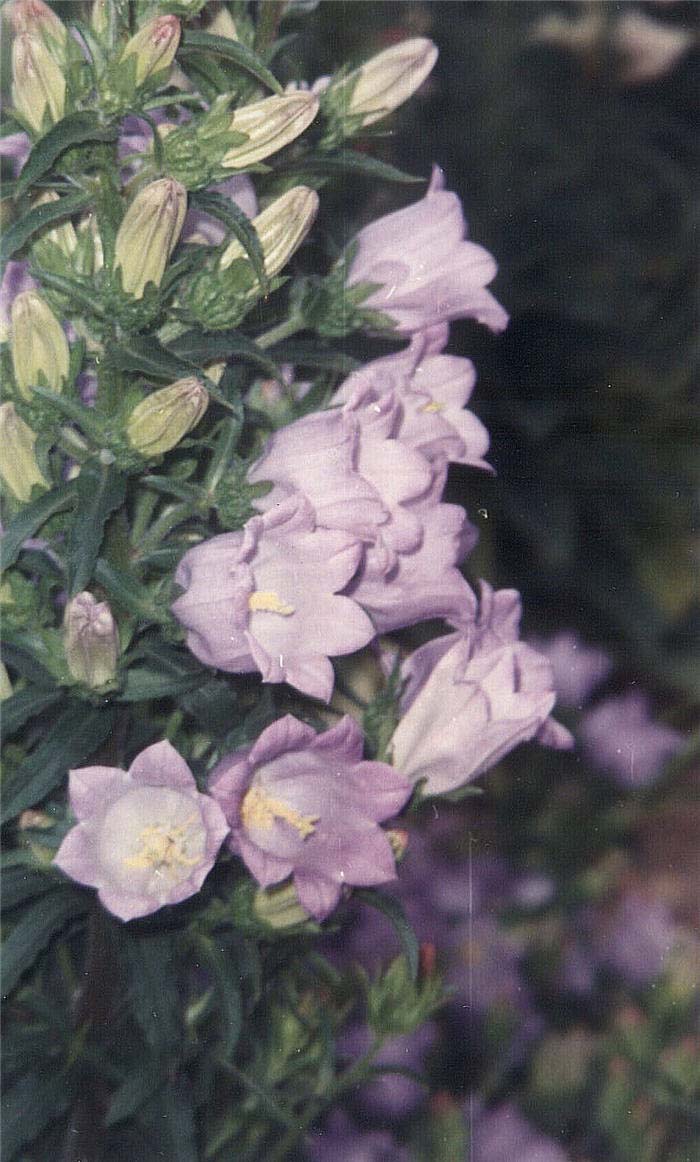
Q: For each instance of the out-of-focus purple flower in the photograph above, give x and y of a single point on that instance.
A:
(341, 1141)
(266, 598)
(503, 1135)
(307, 805)
(471, 697)
(431, 390)
(425, 270)
(484, 965)
(620, 736)
(390, 1095)
(577, 668)
(15, 147)
(145, 837)
(635, 938)
(16, 280)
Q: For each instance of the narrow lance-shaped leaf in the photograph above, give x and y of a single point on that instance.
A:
(34, 930)
(233, 51)
(240, 225)
(100, 490)
(72, 130)
(30, 520)
(394, 912)
(21, 231)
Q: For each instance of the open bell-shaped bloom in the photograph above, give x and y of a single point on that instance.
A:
(306, 805)
(144, 837)
(267, 598)
(424, 269)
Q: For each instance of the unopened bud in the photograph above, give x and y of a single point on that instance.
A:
(398, 839)
(100, 17)
(383, 83)
(5, 683)
(38, 344)
(154, 46)
(149, 233)
(279, 907)
(269, 125)
(63, 235)
(222, 24)
(18, 464)
(38, 83)
(281, 228)
(36, 17)
(161, 420)
(90, 640)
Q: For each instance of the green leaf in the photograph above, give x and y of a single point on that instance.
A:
(234, 51)
(348, 161)
(138, 1087)
(72, 130)
(144, 682)
(394, 912)
(207, 348)
(309, 353)
(75, 736)
(28, 1107)
(125, 590)
(23, 705)
(21, 231)
(240, 226)
(172, 1119)
(150, 358)
(100, 489)
(30, 936)
(21, 883)
(27, 665)
(228, 994)
(31, 518)
(153, 987)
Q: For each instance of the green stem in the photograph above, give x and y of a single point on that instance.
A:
(171, 516)
(143, 511)
(221, 459)
(283, 330)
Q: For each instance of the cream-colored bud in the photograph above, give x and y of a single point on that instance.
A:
(18, 463)
(63, 235)
(100, 17)
(279, 907)
(269, 125)
(222, 24)
(281, 228)
(154, 46)
(90, 640)
(149, 233)
(388, 79)
(38, 345)
(160, 421)
(36, 17)
(38, 83)
(5, 683)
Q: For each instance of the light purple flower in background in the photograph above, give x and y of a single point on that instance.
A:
(471, 697)
(15, 280)
(16, 147)
(635, 938)
(432, 390)
(503, 1135)
(390, 1095)
(341, 1141)
(577, 668)
(266, 598)
(201, 227)
(426, 271)
(145, 837)
(620, 736)
(307, 805)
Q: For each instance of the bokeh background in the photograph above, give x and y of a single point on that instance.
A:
(565, 897)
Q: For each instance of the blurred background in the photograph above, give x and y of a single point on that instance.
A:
(567, 894)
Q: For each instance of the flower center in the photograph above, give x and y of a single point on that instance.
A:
(267, 601)
(260, 810)
(433, 406)
(162, 846)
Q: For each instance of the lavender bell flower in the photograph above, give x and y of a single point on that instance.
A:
(391, 1095)
(431, 390)
(471, 697)
(636, 938)
(620, 736)
(425, 270)
(577, 668)
(503, 1135)
(145, 837)
(307, 805)
(341, 1141)
(266, 598)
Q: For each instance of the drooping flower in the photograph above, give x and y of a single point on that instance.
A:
(471, 697)
(144, 837)
(306, 805)
(267, 599)
(425, 269)
(621, 737)
(431, 390)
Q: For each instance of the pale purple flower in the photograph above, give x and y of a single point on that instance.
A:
(16, 147)
(425, 270)
(341, 1141)
(145, 837)
(391, 1095)
(431, 390)
(503, 1135)
(577, 668)
(201, 227)
(636, 938)
(306, 805)
(15, 280)
(471, 697)
(620, 736)
(266, 598)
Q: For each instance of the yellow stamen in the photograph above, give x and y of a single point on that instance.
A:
(267, 601)
(260, 810)
(163, 847)
(433, 406)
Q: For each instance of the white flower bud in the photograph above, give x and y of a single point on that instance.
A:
(281, 228)
(18, 464)
(385, 81)
(149, 233)
(38, 83)
(38, 344)
(90, 640)
(154, 46)
(160, 421)
(269, 125)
